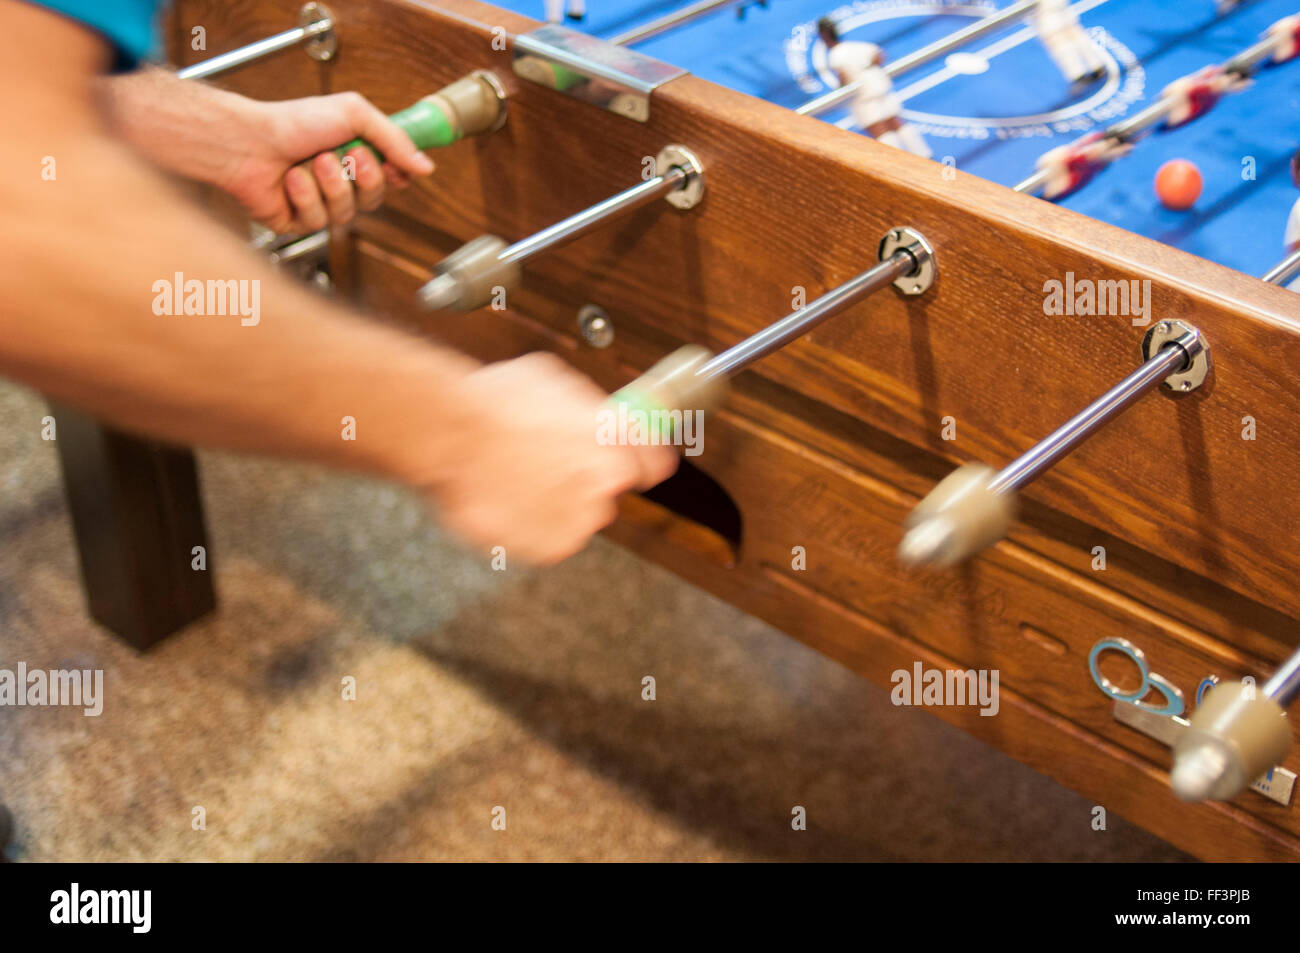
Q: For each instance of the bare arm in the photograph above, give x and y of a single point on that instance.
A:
(510, 455)
(82, 254)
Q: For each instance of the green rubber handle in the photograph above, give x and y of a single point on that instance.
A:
(636, 399)
(658, 416)
(667, 389)
(426, 124)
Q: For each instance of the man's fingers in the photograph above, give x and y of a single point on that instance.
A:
(395, 177)
(656, 465)
(369, 179)
(385, 135)
(280, 218)
(304, 195)
(335, 187)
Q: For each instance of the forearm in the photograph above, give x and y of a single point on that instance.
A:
(82, 255)
(184, 126)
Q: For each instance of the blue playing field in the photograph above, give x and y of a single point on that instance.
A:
(995, 112)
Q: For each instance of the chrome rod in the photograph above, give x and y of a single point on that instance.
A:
(479, 272)
(1246, 61)
(253, 51)
(315, 22)
(798, 323)
(1284, 270)
(1174, 356)
(1033, 183)
(669, 20)
(306, 247)
(973, 507)
(922, 56)
(1138, 122)
(1284, 685)
(584, 221)
(692, 378)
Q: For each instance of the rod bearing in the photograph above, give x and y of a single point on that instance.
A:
(490, 79)
(1194, 374)
(692, 191)
(920, 278)
(324, 46)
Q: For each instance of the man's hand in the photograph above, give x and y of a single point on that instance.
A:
(276, 158)
(287, 197)
(527, 472)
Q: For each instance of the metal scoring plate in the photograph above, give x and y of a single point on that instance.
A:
(588, 68)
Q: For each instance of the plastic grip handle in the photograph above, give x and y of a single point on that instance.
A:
(426, 124)
(669, 391)
(639, 399)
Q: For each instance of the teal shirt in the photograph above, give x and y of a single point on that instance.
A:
(130, 25)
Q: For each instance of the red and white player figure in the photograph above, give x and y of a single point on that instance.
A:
(555, 10)
(1285, 34)
(1194, 95)
(875, 107)
(1071, 165)
(1067, 43)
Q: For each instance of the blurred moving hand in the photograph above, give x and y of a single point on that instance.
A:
(526, 471)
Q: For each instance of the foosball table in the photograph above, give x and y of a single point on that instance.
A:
(953, 428)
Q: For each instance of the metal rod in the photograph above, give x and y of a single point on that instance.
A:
(798, 323)
(1284, 270)
(922, 56)
(308, 246)
(1173, 356)
(1284, 684)
(575, 225)
(1246, 61)
(1140, 121)
(466, 277)
(1033, 183)
(1127, 130)
(668, 21)
(255, 51)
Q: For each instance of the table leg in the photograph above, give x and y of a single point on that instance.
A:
(137, 516)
